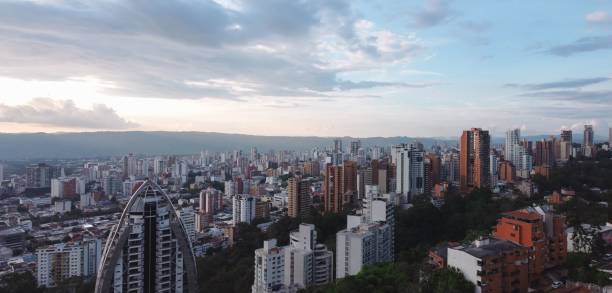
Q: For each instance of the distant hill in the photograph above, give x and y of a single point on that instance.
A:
(25, 146)
(96, 144)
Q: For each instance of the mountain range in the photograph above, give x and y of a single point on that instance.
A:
(26, 146)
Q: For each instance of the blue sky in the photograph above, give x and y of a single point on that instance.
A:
(329, 68)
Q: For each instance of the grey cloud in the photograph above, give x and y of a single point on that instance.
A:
(434, 12)
(152, 48)
(570, 83)
(582, 45)
(581, 96)
(346, 85)
(64, 113)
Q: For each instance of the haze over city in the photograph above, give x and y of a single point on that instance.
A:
(326, 68)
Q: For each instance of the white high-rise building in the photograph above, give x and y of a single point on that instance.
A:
(86, 200)
(307, 263)
(59, 262)
(2, 168)
(149, 249)
(513, 140)
(269, 269)
(81, 184)
(368, 238)
(299, 265)
(364, 244)
(230, 189)
(187, 215)
(410, 172)
(57, 188)
(92, 253)
(243, 208)
(518, 154)
(493, 172)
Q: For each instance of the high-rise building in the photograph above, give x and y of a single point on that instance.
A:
(474, 159)
(494, 168)
(269, 268)
(187, 215)
(2, 169)
(311, 168)
(410, 172)
(40, 175)
(337, 153)
(610, 138)
(355, 146)
(301, 264)
(59, 262)
(243, 209)
(148, 250)
(588, 135)
(211, 201)
(566, 136)
(588, 147)
(545, 153)
(369, 237)
(350, 179)
(513, 138)
(518, 152)
(334, 190)
(300, 201)
(360, 245)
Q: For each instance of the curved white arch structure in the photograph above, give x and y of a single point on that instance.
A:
(148, 250)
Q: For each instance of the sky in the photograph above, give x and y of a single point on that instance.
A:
(427, 68)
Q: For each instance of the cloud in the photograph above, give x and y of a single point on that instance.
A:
(570, 83)
(598, 17)
(601, 96)
(434, 12)
(182, 49)
(582, 45)
(65, 113)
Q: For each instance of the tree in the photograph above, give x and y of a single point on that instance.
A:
(446, 280)
(18, 283)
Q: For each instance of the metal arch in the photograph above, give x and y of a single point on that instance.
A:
(118, 236)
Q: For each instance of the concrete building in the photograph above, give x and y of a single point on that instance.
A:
(149, 249)
(474, 161)
(369, 236)
(541, 232)
(492, 265)
(306, 262)
(269, 269)
(410, 172)
(334, 191)
(211, 201)
(40, 175)
(243, 209)
(360, 245)
(187, 215)
(62, 206)
(299, 198)
(56, 263)
(588, 146)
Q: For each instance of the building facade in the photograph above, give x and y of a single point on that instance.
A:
(149, 249)
(474, 159)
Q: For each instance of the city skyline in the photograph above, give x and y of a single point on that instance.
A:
(331, 68)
